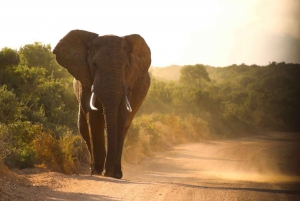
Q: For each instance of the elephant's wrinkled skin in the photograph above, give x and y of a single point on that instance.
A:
(115, 70)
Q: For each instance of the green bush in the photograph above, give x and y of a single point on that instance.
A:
(36, 99)
(31, 144)
(5, 142)
(22, 154)
(10, 107)
(9, 57)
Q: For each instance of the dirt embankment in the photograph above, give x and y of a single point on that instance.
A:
(265, 167)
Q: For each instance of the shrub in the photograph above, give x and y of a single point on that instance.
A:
(9, 57)
(5, 142)
(10, 107)
(22, 154)
(59, 154)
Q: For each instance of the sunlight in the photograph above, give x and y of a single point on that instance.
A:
(214, 32)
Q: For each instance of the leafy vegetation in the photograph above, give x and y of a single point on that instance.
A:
(238, 96)
(36, 100)
(39, 110)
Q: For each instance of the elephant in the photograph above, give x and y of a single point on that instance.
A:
(111, 81)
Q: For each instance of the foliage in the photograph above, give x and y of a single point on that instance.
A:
(10, 107)
(194, 76)
(5, 142)
(59, 154)
(9, 57)
(265, 97)
(237, 99)
(22, 155)
(39, 55)
(36, 99)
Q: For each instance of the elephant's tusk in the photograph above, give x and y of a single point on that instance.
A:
(127, 104)
(92, 102)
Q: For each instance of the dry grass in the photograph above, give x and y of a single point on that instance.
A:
(159, 132)
(59, 154)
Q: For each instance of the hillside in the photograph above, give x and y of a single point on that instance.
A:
(169, 73)
(172, 73)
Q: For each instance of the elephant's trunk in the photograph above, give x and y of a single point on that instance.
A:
(111, 120)
(111, 97)
(110, 101)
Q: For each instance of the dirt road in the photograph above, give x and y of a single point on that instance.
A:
(265, 167)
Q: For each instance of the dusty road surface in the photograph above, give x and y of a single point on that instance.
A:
(264, 167)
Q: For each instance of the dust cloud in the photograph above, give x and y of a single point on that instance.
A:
(254, 176)
(271, 158)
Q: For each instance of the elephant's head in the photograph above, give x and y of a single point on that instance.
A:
(108, 64)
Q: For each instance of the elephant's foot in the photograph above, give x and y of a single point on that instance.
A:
(114, 174)
(118, 174)
(96, 171)
(108, 173)
(118, 171)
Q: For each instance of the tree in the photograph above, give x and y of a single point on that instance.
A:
(9, 57)
(39, 55)
(194, 76)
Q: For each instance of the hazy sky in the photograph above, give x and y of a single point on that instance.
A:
(212, 32)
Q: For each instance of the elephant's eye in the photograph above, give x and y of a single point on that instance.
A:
(94, 66)
(126, 67)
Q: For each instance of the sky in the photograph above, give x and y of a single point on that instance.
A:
(181, 32)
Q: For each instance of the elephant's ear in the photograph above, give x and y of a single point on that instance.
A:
(140, 55)
(71, 53)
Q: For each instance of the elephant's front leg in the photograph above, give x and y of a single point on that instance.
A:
(83, 128)
(96, 131)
